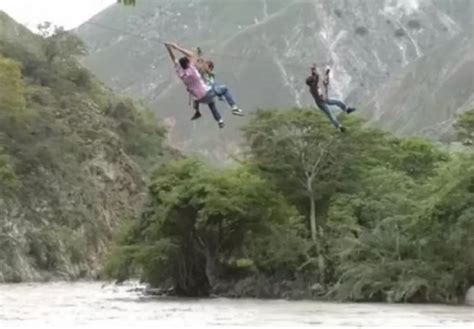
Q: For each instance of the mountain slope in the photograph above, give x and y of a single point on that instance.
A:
(428, 94)
(72, 158)
(262, 49)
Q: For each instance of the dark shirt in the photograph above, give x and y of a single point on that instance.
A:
(313, 83)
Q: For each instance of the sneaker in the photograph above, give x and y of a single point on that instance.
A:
(221, 123)
(342, 129)
(196, 116)
(238, 112)
(350, 109)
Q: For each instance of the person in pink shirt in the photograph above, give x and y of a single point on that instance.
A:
(195, 85)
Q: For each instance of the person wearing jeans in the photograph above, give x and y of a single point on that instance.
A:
(209, 100)
(221, 91)
(313, 83)
(195, 85)
(324, 106)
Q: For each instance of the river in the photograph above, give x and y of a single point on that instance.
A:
(102, 305)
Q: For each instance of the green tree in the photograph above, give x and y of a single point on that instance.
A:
(141, 132)
(447, 227)
(13, 111)
(296, 147)
(45, 29)
(465, 127)
(369, 235)
(416, 157)
(195, 223)
(398, 240)
(7, 176)
(309, 161)
(61, 44)
(127, 2)
(12, 92)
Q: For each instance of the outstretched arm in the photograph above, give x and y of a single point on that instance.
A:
(186, 52)
(170, 51)
(326, 76)
(314, 70)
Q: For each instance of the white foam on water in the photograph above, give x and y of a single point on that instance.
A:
(99, 305)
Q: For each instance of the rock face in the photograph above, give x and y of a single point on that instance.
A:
(76, 172)
(263, 49)
(426, 96)
(60, 226)
(470, 297)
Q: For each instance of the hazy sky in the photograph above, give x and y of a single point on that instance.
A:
(66, 13)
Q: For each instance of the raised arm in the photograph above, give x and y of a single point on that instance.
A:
(186, 52)
(314, 70)
(170, 51)
(326, 76)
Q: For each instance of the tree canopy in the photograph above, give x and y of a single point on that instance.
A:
(127, 2)
(465, 127)
(361, 216)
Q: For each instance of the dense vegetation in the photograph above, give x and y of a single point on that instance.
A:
(310, 213)
(73, 157)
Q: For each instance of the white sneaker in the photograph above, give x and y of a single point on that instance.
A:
(238, 112)
(221, 123)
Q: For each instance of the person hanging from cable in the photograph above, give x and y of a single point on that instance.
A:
(195, 85)
(206, 69)
(322, 100)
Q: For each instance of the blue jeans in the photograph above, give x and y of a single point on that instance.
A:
(209, 100)
(223, 91)
(324, 106)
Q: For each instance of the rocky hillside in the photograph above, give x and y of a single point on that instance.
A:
(263, 49)
(73, 158)
(427, 95)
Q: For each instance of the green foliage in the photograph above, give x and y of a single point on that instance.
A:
(12, 92)
(283, 252)
(465, 127)
(404, 242)
(128, 2)
(290, 143)
(138, 128)
(70, 164)
(61, 45)
(395, 217)
(52, 63)
(369, 234)
(289, 146)
(7, 176)
(417, 157)
(196, 222)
